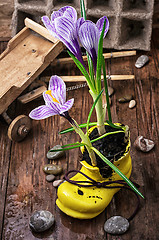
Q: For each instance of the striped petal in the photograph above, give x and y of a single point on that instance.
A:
(49, 25)
(70, 12)
(58, 89)
(67, 106)
(100, 23)
(66, 32)
(89, 38)
(42, 112)
(79, 22)
(52, 102)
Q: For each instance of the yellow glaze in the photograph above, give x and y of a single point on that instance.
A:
(88, 202)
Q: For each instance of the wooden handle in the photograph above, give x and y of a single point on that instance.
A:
(28, 97)
(106, 56)
(82, 78)
(39, 29)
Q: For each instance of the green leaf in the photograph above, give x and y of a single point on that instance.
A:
(106, 134)
(71, 144)
(92, 108)
(69, 148)
(113, 125)
(83, 70)
(91, 69)
(100, 59)
(83, 125)
(83, 11)
(106, 91)
(118, 172)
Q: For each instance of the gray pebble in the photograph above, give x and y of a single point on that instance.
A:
(110, 91)
(50, 178)
(144, 144)
(52, 169)
(55, 155)
(116, 225)
(132, 104)
(141, 61)
(41, 220)
(57, 183)
(125, 98)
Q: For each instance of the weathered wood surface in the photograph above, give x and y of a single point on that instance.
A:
(26, 56)
(6, 11)
(24, 188)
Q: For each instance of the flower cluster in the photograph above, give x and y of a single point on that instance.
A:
(65, 26)
(72, 32)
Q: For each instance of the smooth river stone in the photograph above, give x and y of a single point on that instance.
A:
(144, 144)
(116, 225)
(50, 178)
(141, 61)
(125, 98)
(41, 220)
(56, 183)
(132, 104)
(55, 155)
(52, 169)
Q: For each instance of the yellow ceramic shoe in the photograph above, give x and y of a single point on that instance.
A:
(88, 202)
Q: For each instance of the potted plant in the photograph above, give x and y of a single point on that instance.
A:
(106, 145)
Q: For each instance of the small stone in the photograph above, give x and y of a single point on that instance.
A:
(144, 144)
(125, 98)
(50, 178)
(116, 225)
(141, 61)
(55, 155)
(33, 50)
(57, 183)
(110, 91)
(132, 104)
(41, 220)
(52, 169)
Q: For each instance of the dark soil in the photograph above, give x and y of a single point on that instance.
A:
(112, 147)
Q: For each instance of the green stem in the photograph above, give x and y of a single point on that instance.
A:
(86, 141)
(106, 91)
(99, 112)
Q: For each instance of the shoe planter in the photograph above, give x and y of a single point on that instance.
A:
(88, 202)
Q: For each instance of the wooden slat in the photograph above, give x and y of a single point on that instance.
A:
(40, 29)
(106, 56)
(27, 189)
(26, 57)
(34, 94)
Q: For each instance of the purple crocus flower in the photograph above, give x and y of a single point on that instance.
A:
(63, 26)
(55, 101)
(89, 34)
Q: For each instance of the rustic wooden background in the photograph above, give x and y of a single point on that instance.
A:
(23, 185)
(7, 8)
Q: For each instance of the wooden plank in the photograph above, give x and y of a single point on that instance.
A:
(28, 191)
(106, 56)
(15, 41)
(5, 144)
(30, 57)
(80, 78)
(40, 29)
(83, 79)
(28, 97)
(124, 202)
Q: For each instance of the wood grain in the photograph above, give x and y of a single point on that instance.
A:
(26, 57)
(26, 189)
